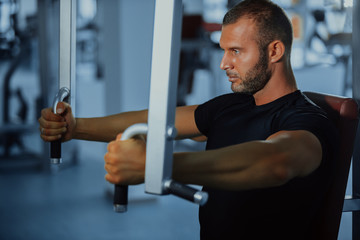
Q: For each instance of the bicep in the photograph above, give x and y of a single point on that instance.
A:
(303, 148)
(185, 123)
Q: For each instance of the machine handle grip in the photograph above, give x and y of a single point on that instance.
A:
(121, 191)
(186, 192)
(55, 146)
(120, 198)
(55, 152)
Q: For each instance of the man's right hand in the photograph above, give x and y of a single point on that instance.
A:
(57, 126)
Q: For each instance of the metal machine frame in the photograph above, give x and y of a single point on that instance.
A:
(163, 89)
(67, 66)
(352, 204)
(161, 129)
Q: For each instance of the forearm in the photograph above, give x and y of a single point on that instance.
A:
(250, 165)
(105, 129)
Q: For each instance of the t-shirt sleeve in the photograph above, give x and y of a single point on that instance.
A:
(207, 113)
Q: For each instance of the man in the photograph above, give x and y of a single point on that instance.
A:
(269, 152)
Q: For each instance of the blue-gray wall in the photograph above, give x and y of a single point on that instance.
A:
(126, 40)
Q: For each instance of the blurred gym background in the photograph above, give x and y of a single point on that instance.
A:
(114, 40)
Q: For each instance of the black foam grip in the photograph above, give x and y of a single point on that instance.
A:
(121, 195)
(182, 190)
(55, 149)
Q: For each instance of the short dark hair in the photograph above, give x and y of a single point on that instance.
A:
(269, 18)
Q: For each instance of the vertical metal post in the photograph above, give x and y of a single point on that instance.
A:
(164, 77)
(67, 65)
(161, 119)
(356, 187)
(45, 66)
(67, 48)
(356, 96)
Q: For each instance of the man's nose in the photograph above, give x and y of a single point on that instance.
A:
(225, 63)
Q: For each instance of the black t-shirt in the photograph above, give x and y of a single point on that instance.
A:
(284, 212)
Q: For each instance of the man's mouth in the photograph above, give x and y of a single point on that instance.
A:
(233, 78)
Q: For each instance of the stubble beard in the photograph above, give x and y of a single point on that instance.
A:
(255, 79)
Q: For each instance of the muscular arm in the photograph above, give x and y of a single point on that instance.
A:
(105, 129)
(257, 164)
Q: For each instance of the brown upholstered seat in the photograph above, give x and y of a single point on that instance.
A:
(344, 112)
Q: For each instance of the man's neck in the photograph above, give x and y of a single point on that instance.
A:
(280, 84)
(263, 97)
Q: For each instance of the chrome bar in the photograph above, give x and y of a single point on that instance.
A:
(67, 66)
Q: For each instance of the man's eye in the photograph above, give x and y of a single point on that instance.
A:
(235, 51)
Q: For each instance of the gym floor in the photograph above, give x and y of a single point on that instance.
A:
(76, 203)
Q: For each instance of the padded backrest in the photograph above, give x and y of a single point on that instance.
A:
(343, 112)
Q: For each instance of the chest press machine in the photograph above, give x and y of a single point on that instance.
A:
(160, 129)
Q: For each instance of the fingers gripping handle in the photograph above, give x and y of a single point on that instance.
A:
(178, 189)
(55, 146)
(121, 191)
(186, 192)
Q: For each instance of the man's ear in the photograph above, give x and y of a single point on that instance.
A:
(276, 51)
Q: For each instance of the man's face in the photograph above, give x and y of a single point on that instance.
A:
(245, 65)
